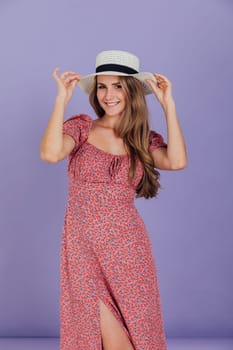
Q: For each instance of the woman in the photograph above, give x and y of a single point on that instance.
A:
(109, 288)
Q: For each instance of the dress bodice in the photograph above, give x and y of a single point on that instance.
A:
(89, 164)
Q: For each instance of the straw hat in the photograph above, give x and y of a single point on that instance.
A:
(120, 63)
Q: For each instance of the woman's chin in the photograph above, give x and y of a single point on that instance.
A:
(113, 113)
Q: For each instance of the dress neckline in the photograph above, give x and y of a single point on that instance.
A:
(99, 149)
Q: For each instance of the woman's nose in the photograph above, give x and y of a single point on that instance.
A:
(108, 94)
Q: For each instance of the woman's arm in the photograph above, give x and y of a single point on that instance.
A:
(174, 157)
(54, 145)
(52, 141)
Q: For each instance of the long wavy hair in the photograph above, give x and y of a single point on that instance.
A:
(134, 129)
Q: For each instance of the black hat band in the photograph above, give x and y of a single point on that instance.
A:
(115, 68)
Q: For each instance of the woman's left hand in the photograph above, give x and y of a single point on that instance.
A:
(162, 90)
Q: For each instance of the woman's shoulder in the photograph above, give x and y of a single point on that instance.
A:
(77, 126)
(156, 140)
(79, 119)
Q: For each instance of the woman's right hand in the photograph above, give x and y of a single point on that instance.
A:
(66, 83)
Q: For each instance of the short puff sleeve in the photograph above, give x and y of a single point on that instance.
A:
(77, 127)
(71, 127)
(155, 140)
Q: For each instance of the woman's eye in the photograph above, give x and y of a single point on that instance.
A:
(100, 87)
(119, 86)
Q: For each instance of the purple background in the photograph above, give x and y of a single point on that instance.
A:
(190, 223)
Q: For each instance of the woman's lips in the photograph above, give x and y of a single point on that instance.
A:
(112, 104)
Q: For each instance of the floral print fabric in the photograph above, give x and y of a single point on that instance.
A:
(106, 251)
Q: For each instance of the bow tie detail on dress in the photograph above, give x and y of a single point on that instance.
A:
(114, 166)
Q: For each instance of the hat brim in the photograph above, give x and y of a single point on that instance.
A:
(87, 81)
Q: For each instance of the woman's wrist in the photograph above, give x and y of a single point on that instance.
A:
(60, 99)
(168, 104)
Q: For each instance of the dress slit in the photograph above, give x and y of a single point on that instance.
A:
(117, 317)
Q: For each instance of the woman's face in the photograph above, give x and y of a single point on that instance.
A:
(110, 94)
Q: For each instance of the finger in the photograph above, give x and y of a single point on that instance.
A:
(55, 70)
(161, 77)
(64, 74)
(74, 76)
(71, 79)
(68, 79)
(74, 83)
(54, 74)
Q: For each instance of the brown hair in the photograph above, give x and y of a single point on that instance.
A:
(133, 128)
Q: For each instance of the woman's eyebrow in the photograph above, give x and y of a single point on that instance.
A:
(117, 83)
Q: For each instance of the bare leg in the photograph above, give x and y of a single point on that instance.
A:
(113, 336)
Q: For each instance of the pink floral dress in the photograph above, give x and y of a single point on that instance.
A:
(106, 252)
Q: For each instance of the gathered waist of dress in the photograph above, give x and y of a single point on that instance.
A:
(102, 194)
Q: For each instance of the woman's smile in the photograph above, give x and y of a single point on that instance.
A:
(112, 104)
